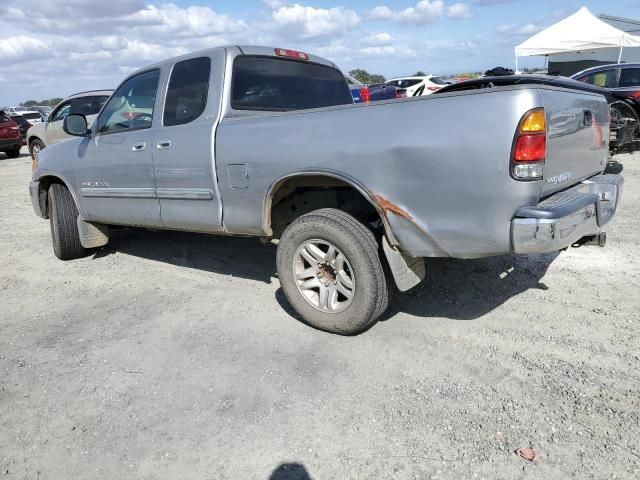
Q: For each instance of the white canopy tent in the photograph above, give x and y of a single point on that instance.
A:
(580, 31)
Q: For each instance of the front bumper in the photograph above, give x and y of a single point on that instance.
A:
(566, 217)
(34, 193)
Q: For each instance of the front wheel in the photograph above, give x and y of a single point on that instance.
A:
(63, 217)
(331, 272)
(35, 147)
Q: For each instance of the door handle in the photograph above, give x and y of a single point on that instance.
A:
(138, 147)
(163, 144)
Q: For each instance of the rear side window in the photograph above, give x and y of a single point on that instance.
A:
(630, 77)
(438, 81)
(407, 83)
(88, 105)
(187, 92)
(606, 78)
(4, 118)
(277, 84)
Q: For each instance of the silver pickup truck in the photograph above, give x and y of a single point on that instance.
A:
(266, 142)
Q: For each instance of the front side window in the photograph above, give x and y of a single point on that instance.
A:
(61, 112)
(408, 83)
(277, 84)
(630, 77)
(606, 78)
(187, 92)
(131, 106)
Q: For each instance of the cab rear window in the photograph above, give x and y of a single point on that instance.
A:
(277, 84)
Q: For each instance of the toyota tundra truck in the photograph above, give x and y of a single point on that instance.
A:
(266, 142)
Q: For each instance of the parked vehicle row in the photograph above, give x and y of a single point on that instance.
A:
(362, 93)
(418, 86)
(255, 141)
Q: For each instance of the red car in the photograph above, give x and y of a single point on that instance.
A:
(10, 139)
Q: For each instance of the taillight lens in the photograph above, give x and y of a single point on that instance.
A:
(433, 89)
(530, 148)
(365, 95)
(283, 52)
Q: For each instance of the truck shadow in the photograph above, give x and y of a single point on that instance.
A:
(455, 289)
(233, 256)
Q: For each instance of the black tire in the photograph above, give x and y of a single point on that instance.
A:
(37, 145)
(359, 246)
(63, 218)
(15, 153)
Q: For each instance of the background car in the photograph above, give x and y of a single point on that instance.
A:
(32, 117)
(23, 124)
(50, 131)
(362, 93)
(10, 139)
(417, 86)
(45, 110)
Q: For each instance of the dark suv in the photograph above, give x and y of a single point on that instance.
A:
(10, 139)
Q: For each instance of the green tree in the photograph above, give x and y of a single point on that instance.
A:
(52, 102)
(420, 73)
(366, 77)
(29, 103)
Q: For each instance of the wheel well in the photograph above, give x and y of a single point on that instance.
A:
(31, 139)
(299, 195)
(45, 183)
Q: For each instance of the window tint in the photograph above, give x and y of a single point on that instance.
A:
(131, 106)
(606, 78)
(277, 84)
(88, 105)
(61, 112)
(630, 77)
(187, 92)
(438, 81)
(407, 83)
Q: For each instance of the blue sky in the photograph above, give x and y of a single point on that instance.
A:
(56, 47)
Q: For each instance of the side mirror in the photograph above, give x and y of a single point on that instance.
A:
(75, 124)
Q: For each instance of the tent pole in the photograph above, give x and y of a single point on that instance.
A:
(516, 64)
(546, 63)
(620, 56)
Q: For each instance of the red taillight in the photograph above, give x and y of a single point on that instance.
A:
(433, 89)
(365, 96)
(530, 147)
(282, 52)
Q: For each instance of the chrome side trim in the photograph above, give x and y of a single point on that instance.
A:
(185, 193)
(118, 192)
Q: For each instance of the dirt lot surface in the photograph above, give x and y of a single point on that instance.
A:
(175, 356)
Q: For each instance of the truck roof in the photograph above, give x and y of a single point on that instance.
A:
(242, 50)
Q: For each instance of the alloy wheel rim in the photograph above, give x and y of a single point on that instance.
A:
(324, 276)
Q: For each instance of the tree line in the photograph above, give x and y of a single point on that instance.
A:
(52, 102)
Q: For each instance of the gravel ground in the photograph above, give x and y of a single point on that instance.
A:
(175, 356)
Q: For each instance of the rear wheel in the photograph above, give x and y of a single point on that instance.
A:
(15, 153)
(331, 273)
(34, 148)
(63, 218)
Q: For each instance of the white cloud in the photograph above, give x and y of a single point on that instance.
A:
(514, 30)
(379, 39)
(381, 12)
(22, 48)
(310, 22)
(459, 11)
(423, 13)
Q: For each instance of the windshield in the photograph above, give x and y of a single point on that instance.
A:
(278, 84)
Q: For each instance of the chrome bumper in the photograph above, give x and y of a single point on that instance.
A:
(34, 190)
(566, 217)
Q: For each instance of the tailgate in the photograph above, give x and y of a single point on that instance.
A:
(578, 137)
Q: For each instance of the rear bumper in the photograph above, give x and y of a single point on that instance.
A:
(10, 144)
(566, 217)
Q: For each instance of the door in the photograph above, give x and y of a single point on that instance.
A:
(183, 145)
(115, 166)
(53, 132)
